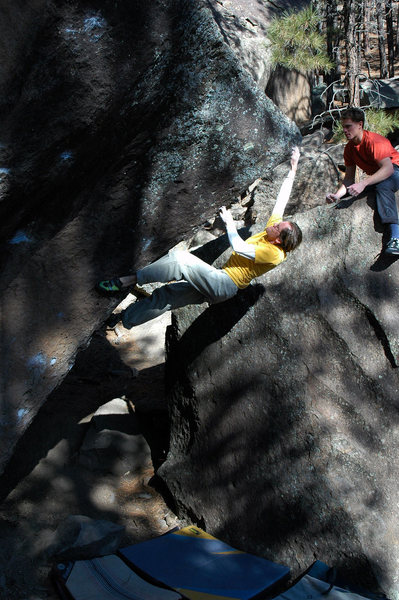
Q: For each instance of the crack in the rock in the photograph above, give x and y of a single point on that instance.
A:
(377, 327)
(381, 336)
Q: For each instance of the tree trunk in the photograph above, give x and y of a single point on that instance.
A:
(380, 12)
(397, 32)
(352, 44)
(332, 47)
(390, 37)
(366, 26)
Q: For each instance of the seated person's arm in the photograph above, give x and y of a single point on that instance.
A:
(236, 242)
(349, 179)
(286, 186)
(385, 170)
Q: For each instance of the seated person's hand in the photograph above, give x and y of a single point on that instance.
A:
(330, 198)
(356, 188)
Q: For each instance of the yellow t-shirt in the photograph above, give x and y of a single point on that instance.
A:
(267, 256)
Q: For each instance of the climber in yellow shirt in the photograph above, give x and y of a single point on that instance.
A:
(263, 251)
(196, 280)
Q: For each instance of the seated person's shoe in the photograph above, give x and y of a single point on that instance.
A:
(113, 320)
(109, 286)
(392, 246)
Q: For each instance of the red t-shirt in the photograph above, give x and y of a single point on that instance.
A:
(372, 148)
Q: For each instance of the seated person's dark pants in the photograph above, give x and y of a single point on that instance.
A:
(385, 197)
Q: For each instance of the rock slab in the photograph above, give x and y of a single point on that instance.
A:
(124, 130)
(284, 402)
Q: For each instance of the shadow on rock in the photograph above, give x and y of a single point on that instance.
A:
(383, 262)
(223, 317)
(98, 375)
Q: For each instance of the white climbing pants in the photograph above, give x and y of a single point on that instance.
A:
(201, 283)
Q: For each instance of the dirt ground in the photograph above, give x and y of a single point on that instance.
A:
(46, 482)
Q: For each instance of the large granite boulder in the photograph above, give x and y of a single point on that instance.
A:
(320, 169)
(380, 93)
(122, 129)
(244, 26)
(291, 91)
(284, 406)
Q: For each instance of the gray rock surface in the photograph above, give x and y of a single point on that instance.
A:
(124, 130)
(244, 26)
(284, 404)
(319, 172)
(44, 483)
(80, 537)
(114, 442)
(291, 91)
(380, 93)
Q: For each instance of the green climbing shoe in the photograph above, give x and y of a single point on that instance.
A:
(109, 286)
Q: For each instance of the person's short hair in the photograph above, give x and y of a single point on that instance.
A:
(290, 238)
(356, 114)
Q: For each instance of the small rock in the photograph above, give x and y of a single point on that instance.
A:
(201, 238)
(238, 212)
(79, 537)
(144, 496)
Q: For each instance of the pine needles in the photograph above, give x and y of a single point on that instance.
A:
(296, 42)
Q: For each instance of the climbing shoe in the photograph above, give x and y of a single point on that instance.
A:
(392, 246)
(109, 286)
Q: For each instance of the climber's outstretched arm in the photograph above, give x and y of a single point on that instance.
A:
(286, 186)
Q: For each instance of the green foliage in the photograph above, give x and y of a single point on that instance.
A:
(382, 122)
(297, 43)
(338, 133)
(377, 120)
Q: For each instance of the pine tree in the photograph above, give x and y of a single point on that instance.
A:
(296, 42)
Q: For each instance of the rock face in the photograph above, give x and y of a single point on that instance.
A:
(291, 91)
(321, 167)
(284, 403)
(122, 130)
(244, 26)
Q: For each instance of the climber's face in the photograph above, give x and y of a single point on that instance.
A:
(274, 231)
